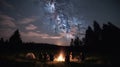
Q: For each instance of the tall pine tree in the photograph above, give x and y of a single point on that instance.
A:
(15, 38)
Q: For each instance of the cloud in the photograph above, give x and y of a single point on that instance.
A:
(6, 33)
(6, 17)
(27, 20)
(51, 37)
(41, 35)
(43, 38)
(31, 27)
(33, 34)
(6, 4)
(6, 20)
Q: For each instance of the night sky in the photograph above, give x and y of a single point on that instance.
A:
(36, 21)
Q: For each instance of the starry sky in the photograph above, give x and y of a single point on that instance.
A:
(33, 21)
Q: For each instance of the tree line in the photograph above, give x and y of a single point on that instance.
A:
(97, 38)
(105, 38)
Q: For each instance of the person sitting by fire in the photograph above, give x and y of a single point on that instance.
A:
(51, 57)
(81, 57)
(45, 57)
(41, 56)
(71, 56)
(67, 57)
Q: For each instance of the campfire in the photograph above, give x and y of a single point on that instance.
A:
(60, 58)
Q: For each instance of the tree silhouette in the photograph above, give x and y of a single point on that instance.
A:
(77, 42)
(97, 31)
(89, 37)
(97, 34)
(111, 35)
(15, 38)
(1, 40)
(105, 39)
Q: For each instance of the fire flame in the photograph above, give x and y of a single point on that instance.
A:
(60, 58)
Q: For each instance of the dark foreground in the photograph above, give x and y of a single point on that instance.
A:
(36, 63)
(51, 64)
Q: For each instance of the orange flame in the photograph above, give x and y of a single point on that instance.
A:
(60, 58)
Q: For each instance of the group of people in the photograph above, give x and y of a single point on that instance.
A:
(69, 57)
(46, 57)
(43, 57)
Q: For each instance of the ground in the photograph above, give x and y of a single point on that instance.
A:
(90, 61)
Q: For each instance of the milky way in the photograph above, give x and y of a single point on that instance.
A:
(62, 23)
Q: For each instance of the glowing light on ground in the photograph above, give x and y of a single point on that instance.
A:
(60, 58)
